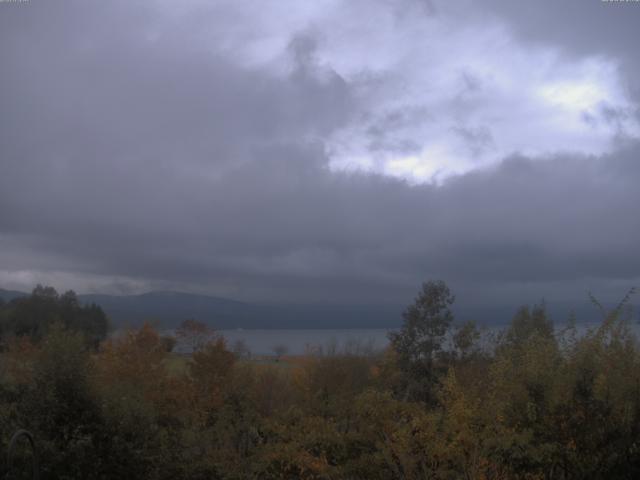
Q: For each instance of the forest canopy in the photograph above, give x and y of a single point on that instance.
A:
(445, 400)
(34, 315)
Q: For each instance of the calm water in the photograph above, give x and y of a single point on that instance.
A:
(300, 341)
(262, 342)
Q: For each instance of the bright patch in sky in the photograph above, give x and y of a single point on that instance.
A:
(436, 95)
(577, 96)
(438, 115)
(433, 164)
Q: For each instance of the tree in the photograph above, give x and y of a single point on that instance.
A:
(194, 335)
(279, 350)
(59, 407)
(529, 322)
(168, 343)
(210, 369)
(465, 340)
(34, 315)
(240, 349)
(418, 343)
(426, 324)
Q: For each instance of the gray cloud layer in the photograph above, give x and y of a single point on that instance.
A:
(135, 153)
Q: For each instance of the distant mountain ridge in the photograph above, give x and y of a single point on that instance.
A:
(170, 308)
(167, 309)
(7, 295)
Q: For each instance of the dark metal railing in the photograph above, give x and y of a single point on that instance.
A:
(35, 467)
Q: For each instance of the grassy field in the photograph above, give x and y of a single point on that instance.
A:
(176, 364)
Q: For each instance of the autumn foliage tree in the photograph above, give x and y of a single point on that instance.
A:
(441, 402)
(194, 335)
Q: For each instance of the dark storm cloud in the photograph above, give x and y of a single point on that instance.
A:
(135, 150)
(591, 26)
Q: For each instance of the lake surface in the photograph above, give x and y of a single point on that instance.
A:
(297, 342)
(301, 341)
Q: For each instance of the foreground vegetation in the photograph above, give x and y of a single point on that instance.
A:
(442, 402)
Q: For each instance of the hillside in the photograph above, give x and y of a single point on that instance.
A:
(168, 309)
(7, 295)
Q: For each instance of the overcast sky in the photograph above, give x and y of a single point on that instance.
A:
(321, 151)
